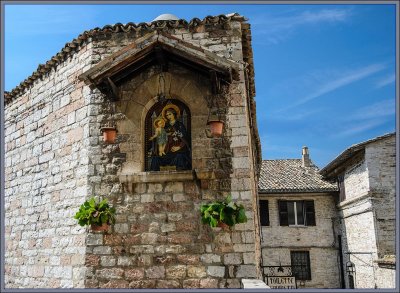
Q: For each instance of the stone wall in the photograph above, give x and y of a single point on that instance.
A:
(319, 241)
(356, 179)
(359, 240)
(381, 160)
(46, 178)
(368, 215)
(158, 240)
(56, 159)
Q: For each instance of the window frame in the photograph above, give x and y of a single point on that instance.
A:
(307, 265)
(308, 213)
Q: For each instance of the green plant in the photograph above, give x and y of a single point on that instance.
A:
(95, 213)
(227, 212)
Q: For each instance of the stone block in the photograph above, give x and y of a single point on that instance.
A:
(196, 271)
(208, 283)
(177, 197)
(102, 250)
(246, 271)
(173, 217)
(191, 283)
(163, 284)
(114, 273)
(210, 258)
(94, 239)
(134, 274)
(145, 260)
(174, 187)
(176, 272)
(107, 261)
(216, 271)
(147, 198)
(143, 284)
(149, 238)
(121, 228)
(157, 272)
(168, 227)
(188, 259)
(232, 258)
(154, 188)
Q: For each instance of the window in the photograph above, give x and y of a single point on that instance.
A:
(297, 213)
(264, 212)
(301, 264)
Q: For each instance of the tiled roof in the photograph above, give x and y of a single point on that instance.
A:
(76, 44)
(347, 153)
(283, 176)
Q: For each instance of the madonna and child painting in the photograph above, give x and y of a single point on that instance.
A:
(170, 142)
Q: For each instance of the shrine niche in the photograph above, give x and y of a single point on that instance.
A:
(168, 137)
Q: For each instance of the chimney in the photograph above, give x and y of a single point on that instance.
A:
(305, 159)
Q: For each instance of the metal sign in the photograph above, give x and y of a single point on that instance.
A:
(279, 277)
(282, 282)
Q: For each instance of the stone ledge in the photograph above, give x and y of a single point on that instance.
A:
(157, 176)
(165, 176)
(254, 284)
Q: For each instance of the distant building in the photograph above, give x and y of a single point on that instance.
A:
(298, 216)
(366, 176)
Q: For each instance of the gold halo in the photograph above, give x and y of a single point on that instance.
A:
(158, 119)
(171, 106)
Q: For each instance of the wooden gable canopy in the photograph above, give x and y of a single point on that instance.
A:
(157, 48)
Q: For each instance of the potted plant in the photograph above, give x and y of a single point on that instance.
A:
(223, 213)
(97, 214)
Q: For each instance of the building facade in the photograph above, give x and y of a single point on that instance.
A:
(176, 72)
(366, 175)
(298, 223)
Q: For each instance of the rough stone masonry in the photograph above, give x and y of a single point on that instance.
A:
(55, 159)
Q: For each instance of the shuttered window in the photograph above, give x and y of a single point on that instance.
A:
(264, 212)
(296, 213)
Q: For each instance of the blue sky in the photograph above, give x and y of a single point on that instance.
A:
(325, 74)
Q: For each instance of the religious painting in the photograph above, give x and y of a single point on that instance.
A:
(167, 137)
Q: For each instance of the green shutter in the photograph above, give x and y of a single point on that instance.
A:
(310, 212)
(283, 213)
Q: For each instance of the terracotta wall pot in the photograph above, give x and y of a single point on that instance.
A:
(97, 228)
(216, 127)
(223, 226)
(109, 134)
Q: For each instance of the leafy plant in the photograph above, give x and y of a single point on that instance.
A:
(227, 212)
(95, 213)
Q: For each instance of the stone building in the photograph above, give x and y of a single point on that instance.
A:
(298, 223)
(129, 76)
(366, 176)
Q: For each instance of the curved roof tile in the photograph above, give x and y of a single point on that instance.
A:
(75, 45)
(282, 176)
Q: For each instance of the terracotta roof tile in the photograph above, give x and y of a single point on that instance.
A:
(281, 176)
(76, 44)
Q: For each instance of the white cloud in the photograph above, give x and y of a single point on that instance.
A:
(380, 109)
(292, 116)
(340, 81)
(276, 28)
(359, 127)
(386, 81)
